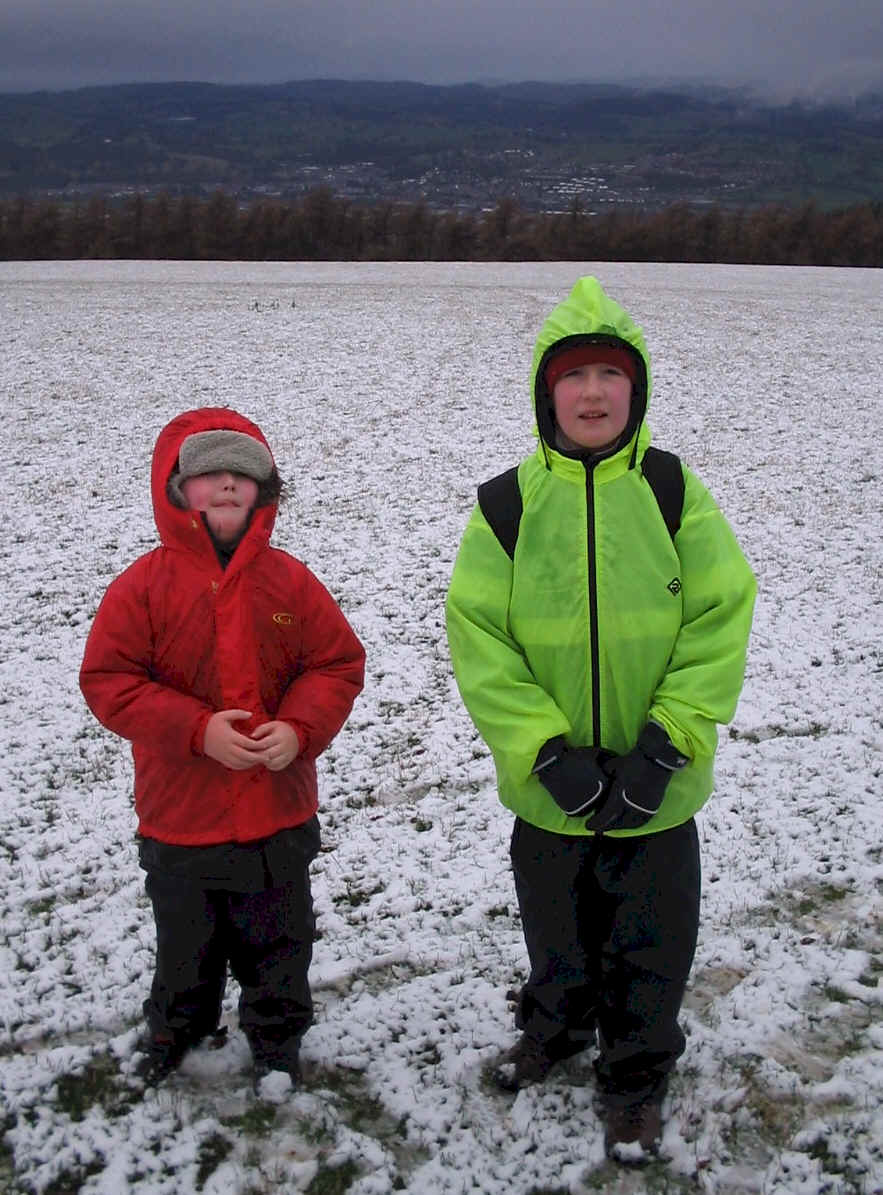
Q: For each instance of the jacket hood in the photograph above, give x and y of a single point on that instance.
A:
(175, 526)
(589, 316)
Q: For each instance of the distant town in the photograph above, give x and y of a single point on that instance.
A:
(550, 149)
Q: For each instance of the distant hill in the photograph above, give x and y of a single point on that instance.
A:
(549, 147)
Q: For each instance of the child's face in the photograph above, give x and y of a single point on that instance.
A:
(592, 405)
(227, 499)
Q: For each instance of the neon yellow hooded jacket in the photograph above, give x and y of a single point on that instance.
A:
(601, 621)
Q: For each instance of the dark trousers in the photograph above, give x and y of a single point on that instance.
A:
(266, 938)
(610, 926)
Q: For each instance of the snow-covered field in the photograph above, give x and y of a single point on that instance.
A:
(388, 392)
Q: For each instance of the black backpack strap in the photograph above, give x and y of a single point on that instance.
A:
(500, 502)
(500, 498)
(666, 479)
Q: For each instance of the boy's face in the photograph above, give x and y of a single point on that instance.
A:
(227, 499)
(592, 406)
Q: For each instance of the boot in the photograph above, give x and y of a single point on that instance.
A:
(526, 1063)
(161, 1053)
(632, 1124)
(277, 1056)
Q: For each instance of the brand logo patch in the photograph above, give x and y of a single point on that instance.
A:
(674, 585)
(283, 619)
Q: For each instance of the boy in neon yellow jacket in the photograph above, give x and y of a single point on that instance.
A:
(596, 664)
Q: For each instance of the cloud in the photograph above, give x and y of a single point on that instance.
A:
(788, 47)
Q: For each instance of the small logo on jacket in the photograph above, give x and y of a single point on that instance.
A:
(674, 586)
(284, 620)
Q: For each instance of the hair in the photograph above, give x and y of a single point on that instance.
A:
(272, 490)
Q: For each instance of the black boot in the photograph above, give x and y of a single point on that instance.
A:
(161, 1054)
(277, 1056)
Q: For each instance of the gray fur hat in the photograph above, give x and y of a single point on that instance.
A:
(212, 451)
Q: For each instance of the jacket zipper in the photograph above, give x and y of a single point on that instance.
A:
(594, 650)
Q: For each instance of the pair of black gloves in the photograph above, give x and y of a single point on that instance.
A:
(612, 792)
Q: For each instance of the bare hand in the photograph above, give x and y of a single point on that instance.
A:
(233, 750)
(278, 743)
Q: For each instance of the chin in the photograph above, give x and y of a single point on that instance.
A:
(226, 534)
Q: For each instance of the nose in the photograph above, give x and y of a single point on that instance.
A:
(592, 382)
(228, 480)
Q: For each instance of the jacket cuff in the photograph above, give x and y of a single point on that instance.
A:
(197, 739)
(655, 744)
(303, 737)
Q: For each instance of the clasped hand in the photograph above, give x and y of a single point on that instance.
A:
(612, 792)
(273, 744)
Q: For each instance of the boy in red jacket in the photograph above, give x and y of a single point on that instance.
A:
(230, 668)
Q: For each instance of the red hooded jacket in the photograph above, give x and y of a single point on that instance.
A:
(177, 637)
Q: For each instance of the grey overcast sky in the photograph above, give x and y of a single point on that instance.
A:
(785, 47)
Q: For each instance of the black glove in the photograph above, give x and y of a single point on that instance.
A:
(573, 775)
(638, 781)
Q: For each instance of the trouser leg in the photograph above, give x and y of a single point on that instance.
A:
(270, 958)
(190, 972)
(648, 889)
(557, 1004)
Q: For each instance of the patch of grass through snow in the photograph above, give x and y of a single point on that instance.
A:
(333, 1180)
(651, 1177)
(7, 1157)
(97, 1083)
(213, 1150)
(363, 1113)
(71, 1182)
(258, 1120)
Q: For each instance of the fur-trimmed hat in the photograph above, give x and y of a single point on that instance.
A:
(213, 451)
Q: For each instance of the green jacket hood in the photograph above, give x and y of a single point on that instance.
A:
(588, 315)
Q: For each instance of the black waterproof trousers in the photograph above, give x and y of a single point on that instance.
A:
(205, 924)
(610, 926)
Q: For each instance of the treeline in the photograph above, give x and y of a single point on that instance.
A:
(321, 226)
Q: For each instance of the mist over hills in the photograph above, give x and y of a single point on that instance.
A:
(549, 147)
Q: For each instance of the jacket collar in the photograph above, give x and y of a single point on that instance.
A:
(605, 469)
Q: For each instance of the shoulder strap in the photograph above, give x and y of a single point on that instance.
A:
(666, 479)
(500, 502)
(500, 498)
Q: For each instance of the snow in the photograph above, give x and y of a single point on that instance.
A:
(388, 392)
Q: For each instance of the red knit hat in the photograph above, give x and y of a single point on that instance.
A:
(590, 354)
